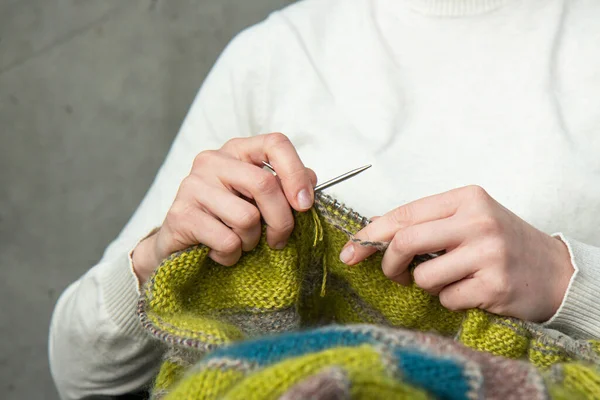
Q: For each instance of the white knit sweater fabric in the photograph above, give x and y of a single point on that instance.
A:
(436, 94)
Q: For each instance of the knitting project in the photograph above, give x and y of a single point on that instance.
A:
(297, 323)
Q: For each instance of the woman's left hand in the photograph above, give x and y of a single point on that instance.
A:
(493, 260)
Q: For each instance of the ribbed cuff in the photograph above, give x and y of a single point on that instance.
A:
(455, 8)
(120, 295)
(579, 314)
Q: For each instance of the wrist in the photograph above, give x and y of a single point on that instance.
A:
(562, 271)
(144, 259)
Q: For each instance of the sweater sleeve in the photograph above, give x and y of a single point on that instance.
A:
(96, 344)
(579, 314)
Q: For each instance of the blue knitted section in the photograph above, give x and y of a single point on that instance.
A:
(268, 350)
(443, 377)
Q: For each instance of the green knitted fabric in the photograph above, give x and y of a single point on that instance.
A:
(228, 329)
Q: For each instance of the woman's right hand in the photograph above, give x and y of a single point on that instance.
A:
(220, 203)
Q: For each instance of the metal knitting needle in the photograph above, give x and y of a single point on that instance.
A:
(333, 181)
(341, 178)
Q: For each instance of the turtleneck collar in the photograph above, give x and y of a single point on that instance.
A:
(455, 8)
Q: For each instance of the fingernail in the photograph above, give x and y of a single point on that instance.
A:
(280, 245)
(304, 199)
(347, 253)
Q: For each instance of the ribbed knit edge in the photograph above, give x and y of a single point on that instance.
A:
(455, 8)
(579, 314)
(119, 287)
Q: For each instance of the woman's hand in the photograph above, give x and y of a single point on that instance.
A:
(221, 202)
(494, 260)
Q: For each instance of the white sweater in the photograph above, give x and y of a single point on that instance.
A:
(436, 94)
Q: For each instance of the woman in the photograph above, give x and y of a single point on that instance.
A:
(466, 108)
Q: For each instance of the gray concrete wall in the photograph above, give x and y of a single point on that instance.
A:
(91, 94)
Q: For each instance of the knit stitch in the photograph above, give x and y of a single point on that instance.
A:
(298, 323)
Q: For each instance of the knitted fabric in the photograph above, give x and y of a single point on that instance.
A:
(298, 323)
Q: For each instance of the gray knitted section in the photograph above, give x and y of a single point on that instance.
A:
(252, 324)
(264, 323)
(329, 384)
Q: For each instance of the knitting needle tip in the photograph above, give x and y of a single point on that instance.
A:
(342, 178)
(330, 182)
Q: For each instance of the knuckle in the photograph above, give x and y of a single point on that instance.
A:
(500, 287)
(249, 218)
(175, 231)
(403, 239)
(203, 159)
(286, 226)
(266, 183)
(277, 139)
(402, 216)
(189, 183)
(477, 193)
(365, 235)
(178, 213)
(488, 225)
(230, 243)
(179, 239)
(498, 252)
(232, 143)
(297, 175)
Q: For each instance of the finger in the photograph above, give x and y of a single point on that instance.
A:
(264, 188)
(241, 216)
(196, 226)
(226, 259)
(439, 272)
(402, 278)
(424, 238)
(279, 151)
(383, 229)
(462, 295)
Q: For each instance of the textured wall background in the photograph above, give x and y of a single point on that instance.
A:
(91, 95)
